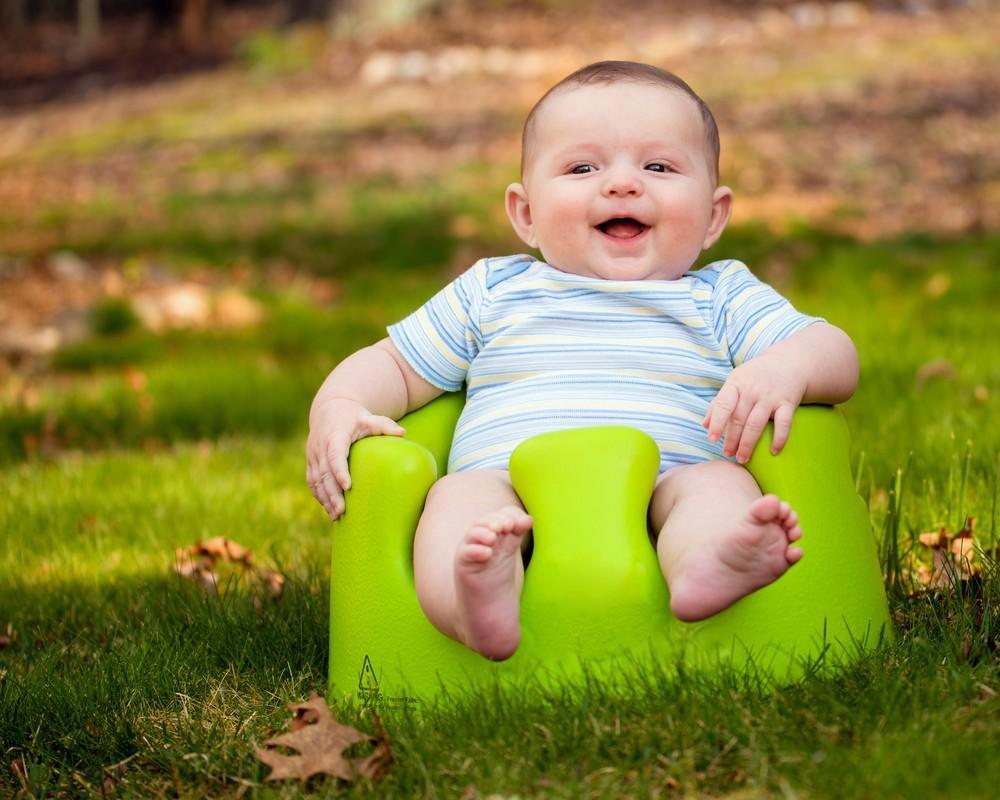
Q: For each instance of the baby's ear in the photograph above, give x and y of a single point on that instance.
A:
(519, 213)
(722, 207)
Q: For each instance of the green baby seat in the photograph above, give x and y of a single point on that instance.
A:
(593, 594)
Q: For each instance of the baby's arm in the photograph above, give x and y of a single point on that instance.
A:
(361, 397)
(817, 364)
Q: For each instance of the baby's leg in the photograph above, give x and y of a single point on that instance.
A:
(719, 540)
(467, 560)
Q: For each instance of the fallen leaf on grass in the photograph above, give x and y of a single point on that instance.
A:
(321, 742)
(376, 764)
(273, 581)
(17, 766)
(953, 555)
(200, 561)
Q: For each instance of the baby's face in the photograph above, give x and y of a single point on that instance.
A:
(618, 184)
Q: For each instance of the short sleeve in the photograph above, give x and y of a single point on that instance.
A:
(749, 316)
(440, 339)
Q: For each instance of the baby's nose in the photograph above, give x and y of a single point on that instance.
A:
(622, 182)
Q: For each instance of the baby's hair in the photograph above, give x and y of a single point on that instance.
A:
(610, 72)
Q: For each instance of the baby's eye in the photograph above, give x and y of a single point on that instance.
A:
(658, 166)
(582, 169)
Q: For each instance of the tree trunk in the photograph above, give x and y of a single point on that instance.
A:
(88, 19)
(163, 14)
(196, 17)
(13, 18)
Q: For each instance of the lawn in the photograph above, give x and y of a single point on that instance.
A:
(119, 678)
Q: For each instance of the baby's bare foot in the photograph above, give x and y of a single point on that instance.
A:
(488, 598)
(756, 552)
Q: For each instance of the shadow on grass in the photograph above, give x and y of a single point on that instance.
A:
(95, 664)
(154, 670)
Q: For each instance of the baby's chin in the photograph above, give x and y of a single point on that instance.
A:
(623, 269)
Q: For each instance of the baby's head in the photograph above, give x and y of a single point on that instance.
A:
(619, 174)
(610, 73)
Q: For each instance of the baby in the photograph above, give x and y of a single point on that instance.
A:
(619, 191)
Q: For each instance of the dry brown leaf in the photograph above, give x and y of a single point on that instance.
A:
(305, 714)
(953, 555)
(962, 547)
(20, 771)
(376, 764)
(199, 563)
(226, 549)
(273, 581)
(196, 568)
(934, 539)
(321, 741)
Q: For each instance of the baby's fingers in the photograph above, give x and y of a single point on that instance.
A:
(754, 427)
(329, 485)
(376, 425)
(370, 425)
(334, 488)
(337, 457)
(782, 426)
(324, 488)
(331, 497)
(720, 410)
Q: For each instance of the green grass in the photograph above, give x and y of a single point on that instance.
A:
(117, 660)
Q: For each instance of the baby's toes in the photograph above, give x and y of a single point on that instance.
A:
(790, 523)
(510, 520)
(481, 535)
(508, 517)
(521, 523)
(501, 519)
(495, 521)
(791, 518)
(765, 509)
(793, 554)
(473, 553)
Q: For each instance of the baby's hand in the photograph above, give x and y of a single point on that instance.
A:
(755, 392)
(337, 425)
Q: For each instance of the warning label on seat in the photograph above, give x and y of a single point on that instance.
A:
(371, 695)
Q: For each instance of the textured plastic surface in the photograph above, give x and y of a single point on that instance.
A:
(593, 593)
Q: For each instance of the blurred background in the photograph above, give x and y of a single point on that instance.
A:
(204, 204)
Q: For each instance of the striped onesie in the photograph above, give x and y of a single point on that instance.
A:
(543, 350)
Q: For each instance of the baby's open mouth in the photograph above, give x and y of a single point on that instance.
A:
(622, 227)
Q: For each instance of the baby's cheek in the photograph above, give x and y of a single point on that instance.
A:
(559, 238)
